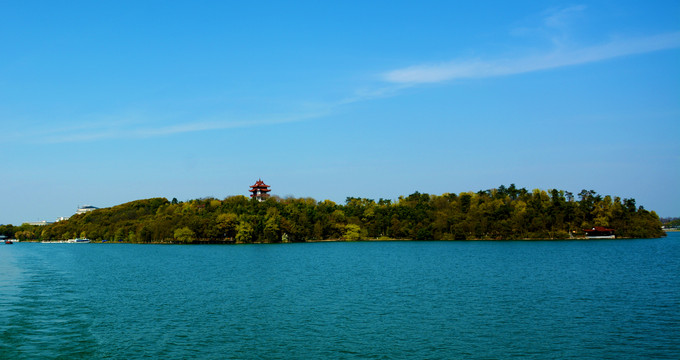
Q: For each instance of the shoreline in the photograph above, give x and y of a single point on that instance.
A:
(331, 240)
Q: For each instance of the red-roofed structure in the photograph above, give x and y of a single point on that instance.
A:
(599, 232)
(260, 190)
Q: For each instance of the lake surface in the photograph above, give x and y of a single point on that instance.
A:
(606, 299)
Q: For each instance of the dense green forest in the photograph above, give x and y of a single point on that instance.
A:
(506, 213)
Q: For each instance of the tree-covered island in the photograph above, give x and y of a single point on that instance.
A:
(506, 213)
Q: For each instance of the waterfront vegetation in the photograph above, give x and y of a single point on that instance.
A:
(505, 213)
(671, 223)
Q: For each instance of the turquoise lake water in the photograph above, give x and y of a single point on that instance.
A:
(606, 299)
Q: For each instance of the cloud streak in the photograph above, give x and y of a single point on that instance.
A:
(479, 68)
(560, 18)
(131, 131)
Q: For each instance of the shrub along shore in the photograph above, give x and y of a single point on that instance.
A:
(505, 213)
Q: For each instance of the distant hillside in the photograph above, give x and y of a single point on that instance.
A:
(505, 213)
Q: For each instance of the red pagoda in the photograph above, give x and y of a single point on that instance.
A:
(260, 190)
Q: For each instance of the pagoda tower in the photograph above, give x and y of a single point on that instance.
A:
(260, 190)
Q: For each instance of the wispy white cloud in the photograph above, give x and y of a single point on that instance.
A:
(557, 24)
(480, 68)
(140, 130)
(562, 17)
(366, 94)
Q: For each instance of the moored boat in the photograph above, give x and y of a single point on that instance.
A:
(599, 232)
(69, 241)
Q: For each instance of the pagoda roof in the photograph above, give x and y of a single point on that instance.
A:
(259, 184)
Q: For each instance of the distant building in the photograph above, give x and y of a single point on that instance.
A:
(62, 218)
(39, 223)
(260, 190)
(85, 209)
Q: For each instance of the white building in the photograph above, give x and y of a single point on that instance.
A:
(39, 223)
(85, 209)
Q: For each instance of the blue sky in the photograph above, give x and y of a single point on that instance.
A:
(107, 102)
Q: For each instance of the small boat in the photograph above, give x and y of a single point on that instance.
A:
(78, 241)
(8, 242)
(599, 232)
